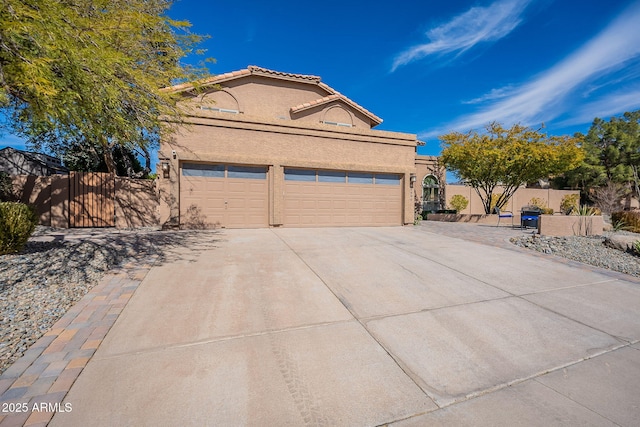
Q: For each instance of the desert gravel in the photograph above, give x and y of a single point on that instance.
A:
(589, 250)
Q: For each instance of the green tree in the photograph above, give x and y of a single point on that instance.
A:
(91, 71)
(612, 154)
(90, 158)
(507, 158)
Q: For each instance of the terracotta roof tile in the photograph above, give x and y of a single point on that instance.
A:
(259, 70)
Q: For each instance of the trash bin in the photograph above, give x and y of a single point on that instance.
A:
(529, 216)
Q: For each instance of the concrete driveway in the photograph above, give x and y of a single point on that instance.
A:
(365, 326)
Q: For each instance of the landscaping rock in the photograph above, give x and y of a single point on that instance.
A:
(621, 242)
(590, 250)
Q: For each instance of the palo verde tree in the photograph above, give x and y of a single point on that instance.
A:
(91, 72)
(507, 158)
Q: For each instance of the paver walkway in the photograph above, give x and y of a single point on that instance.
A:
(33, 388)
(357, 326)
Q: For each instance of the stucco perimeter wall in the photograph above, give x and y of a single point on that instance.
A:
(35, 191)
(476, 219)
(281, 143)
(570, 225)
(522, 197)
(136, 201)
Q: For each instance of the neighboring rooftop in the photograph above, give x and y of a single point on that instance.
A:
(19, 162)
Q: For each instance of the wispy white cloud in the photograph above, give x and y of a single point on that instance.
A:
(477, 25)
(546, 96)
(491, 96)
(609, 105)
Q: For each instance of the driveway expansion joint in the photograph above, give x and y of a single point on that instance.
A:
(222, 339)
(408, 372)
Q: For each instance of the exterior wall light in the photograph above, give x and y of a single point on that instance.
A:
(166, 168)
(412, 179)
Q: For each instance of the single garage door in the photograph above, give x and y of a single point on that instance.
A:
(320, 198)
(230, 196)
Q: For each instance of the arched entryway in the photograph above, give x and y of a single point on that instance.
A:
(430, 194)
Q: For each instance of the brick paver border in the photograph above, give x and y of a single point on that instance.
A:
(34, 387)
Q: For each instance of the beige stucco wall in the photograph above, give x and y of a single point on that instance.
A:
(49, 195)
(136, 200)
(570, 225)
(136, 203)
(216, 137)
(60, 201)
(521, 198)
(35, 191)
(267, 98)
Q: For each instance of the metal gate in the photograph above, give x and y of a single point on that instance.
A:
(91, 196)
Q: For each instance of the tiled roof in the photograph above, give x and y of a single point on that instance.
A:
(251, 69)
(332, 95)
(259, 70)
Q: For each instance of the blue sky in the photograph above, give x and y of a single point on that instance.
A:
(431, 67)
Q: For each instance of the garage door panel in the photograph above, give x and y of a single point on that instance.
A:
(324, 189)
(209, 198)
(314, 203)
(307, 204)
(339, 204)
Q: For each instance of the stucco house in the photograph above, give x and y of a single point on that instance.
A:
(263, 148)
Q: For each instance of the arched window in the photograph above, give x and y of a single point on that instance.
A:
(430, 194)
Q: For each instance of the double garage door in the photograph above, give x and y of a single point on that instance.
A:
(341, 198)
(215, 195)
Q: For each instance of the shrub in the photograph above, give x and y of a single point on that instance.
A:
(17, 222)
(541, 204)
(609, 197)
(569, 203)
(630, 219)
(459, 202)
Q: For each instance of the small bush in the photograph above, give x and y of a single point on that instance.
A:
(630, 219)
(569, 203)
(542, 205)
(17, 222)
(459, 202)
